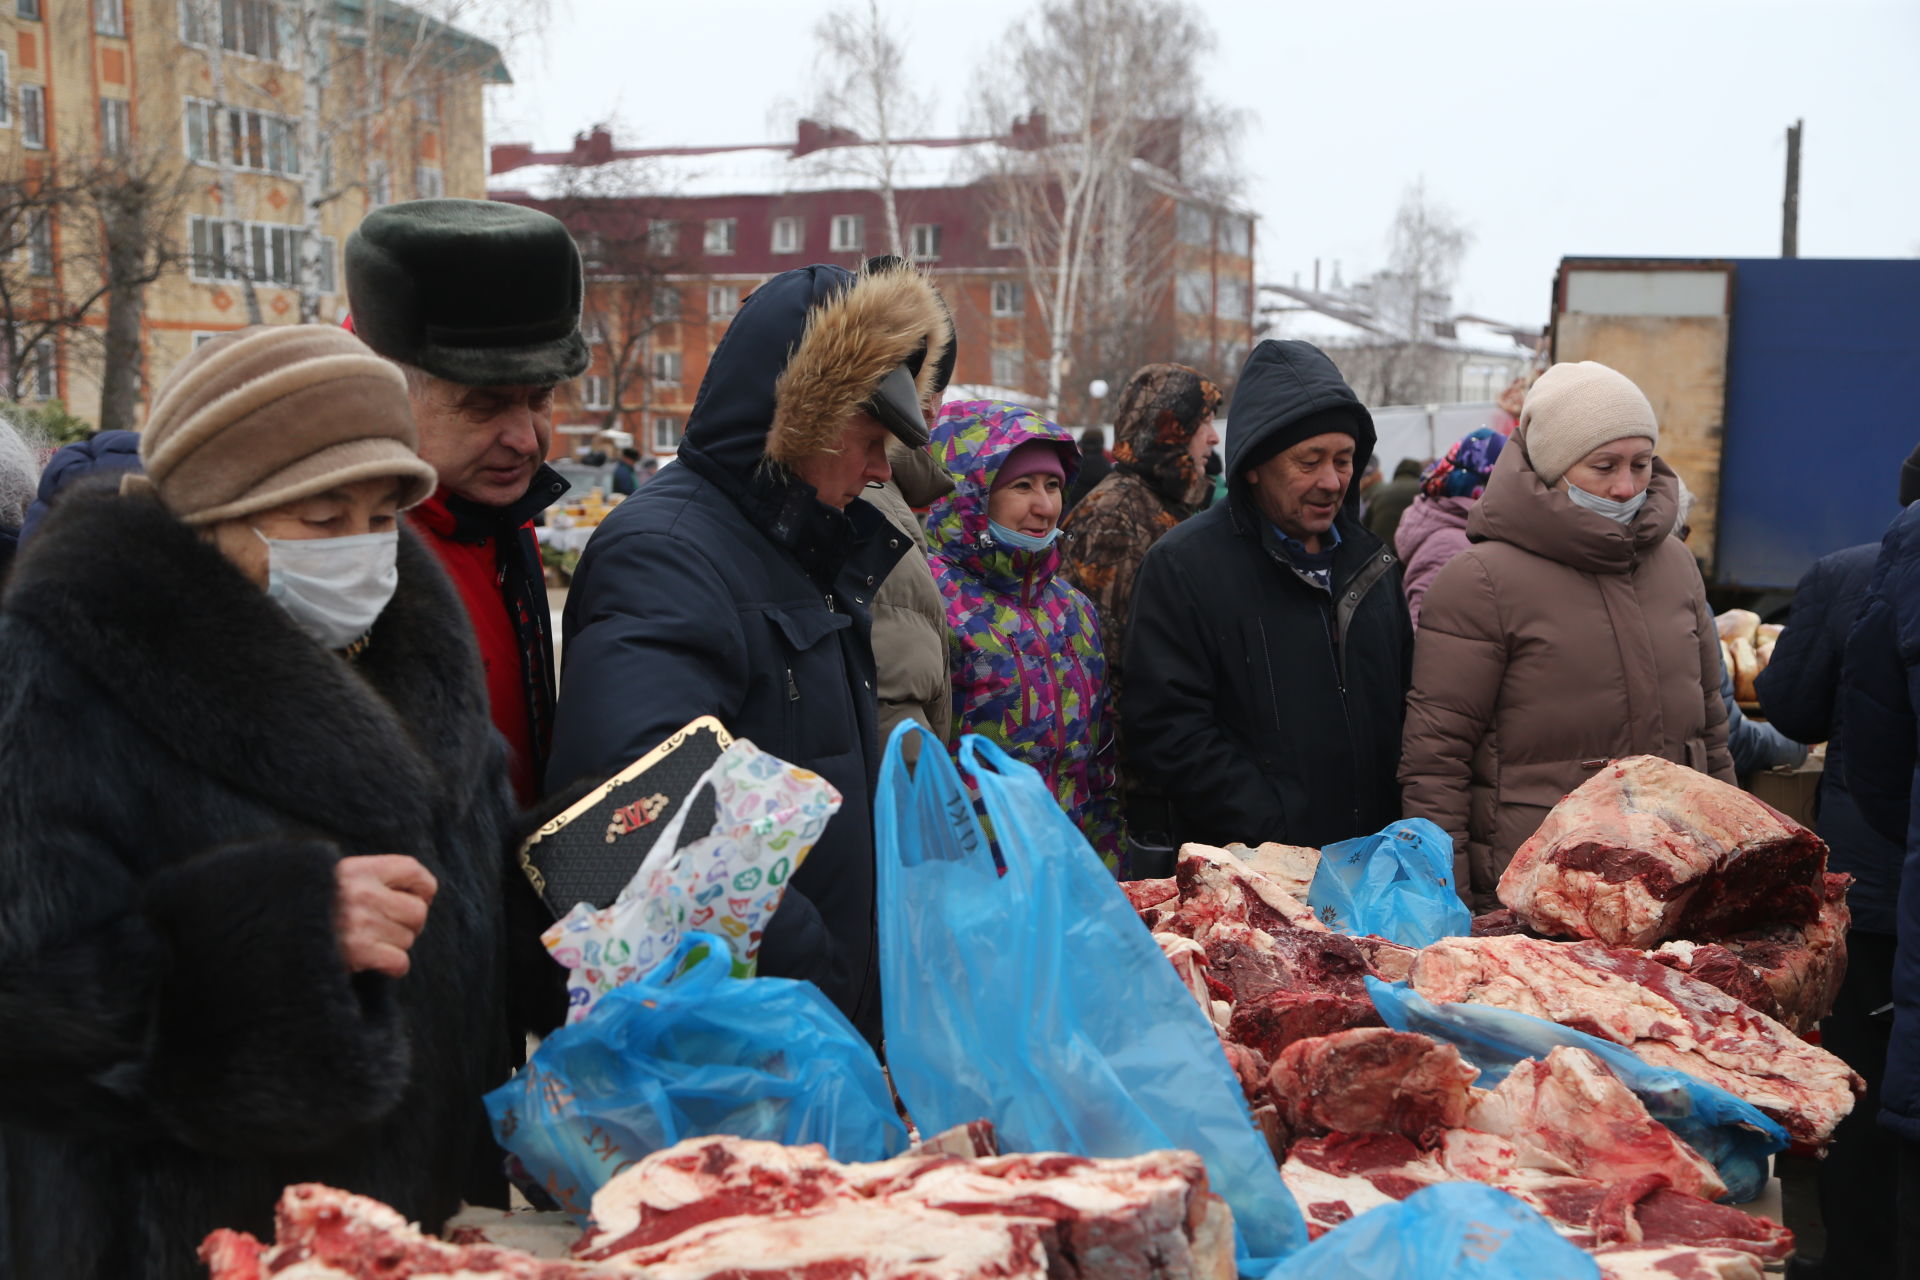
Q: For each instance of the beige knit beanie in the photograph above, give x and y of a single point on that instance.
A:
(1575, 408)
(270, 414)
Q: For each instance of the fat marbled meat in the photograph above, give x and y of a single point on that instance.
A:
(1647, 850)
(725, 1208)
(1664, 1016)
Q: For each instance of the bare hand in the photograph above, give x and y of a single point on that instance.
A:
(379, 909)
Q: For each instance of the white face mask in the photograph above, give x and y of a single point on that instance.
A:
(333, 588)
(1619, 512)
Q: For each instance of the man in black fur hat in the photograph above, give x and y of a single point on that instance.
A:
(739, 583)
(479, 303)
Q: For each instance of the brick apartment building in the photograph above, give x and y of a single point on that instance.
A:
(676, 237)
(82, 81)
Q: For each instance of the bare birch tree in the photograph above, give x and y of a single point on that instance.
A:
(1106, 81)
(860, 87)
(1410, 300)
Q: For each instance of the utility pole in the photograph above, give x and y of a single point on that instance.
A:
(1790, 214)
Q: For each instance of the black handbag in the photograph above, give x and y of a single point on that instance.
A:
(590, 852)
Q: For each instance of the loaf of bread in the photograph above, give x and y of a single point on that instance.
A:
(1746, 665)
(1737, 624)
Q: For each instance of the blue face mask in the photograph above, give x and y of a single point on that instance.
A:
(1014, 540)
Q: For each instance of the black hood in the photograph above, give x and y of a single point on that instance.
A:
(1281, 385)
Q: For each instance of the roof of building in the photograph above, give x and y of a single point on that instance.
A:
(1348, 318)
(403, 25)
(822, 158)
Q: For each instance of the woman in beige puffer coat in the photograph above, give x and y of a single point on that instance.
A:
(1574, 631)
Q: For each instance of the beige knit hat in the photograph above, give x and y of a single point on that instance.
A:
(1575, 408)
(270, 414)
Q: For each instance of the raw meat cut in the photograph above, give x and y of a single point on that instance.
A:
(1216, 885)
(731, 1209)
(324, 1234)
(1372, 1080)
(1142, 894)
(1569, 1114)
(1676, 1262)
(1290, 866)
(1788, 972)
(1340, 1176)
(1647, 850)
(732, 1203)
(1666, 1017)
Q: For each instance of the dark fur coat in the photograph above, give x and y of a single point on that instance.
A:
(180, 769)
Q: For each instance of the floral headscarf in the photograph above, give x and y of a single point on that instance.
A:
(1463, 472)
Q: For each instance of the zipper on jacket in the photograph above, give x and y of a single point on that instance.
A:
(793, 689)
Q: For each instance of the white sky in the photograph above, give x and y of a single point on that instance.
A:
(1553, 127)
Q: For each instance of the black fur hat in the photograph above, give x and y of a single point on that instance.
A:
(477, 292)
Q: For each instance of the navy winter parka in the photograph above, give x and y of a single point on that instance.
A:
(1880, 688)
(724, 587)
(1799, 692)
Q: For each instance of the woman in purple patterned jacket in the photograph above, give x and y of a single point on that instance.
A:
(1029, 671)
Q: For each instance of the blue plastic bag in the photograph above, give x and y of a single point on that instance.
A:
(1454, 1231)
(689, 1050)
(1038, 1000)
(1731, 1132)
(1397, 884)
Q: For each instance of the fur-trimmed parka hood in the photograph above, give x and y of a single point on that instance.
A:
(806, 349)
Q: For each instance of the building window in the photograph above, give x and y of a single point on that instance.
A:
(1193, 225)
(666, 366)
(43, 379)
(720, 233)
(1193, 293)
(33, 116)
(593, 331)
(428, 182)
(257, 28)
(1002, 232)
(257, 140)
(213, 258)
(1232, 301)
(379, 185)
(924, 240)
(1009, 298)
(663, 237)
(109, 18)
(666, 435)
(40, 243)
(1236, 236)
(594, 393)
(429, 108)
(1007, 364)
(722, 301)
(28, 9)
(326, 166)
(201, 337)
(666, 304)
(849, 233)
(116, 126)
(786, 235)
(269, 252)
(6, 91)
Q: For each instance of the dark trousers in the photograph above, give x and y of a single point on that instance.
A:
(1865, 1163)
(1909, 1207)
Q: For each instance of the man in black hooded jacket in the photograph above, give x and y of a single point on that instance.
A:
(1270, 649)
(739, 584)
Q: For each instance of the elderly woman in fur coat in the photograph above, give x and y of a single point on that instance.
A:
(252, 825)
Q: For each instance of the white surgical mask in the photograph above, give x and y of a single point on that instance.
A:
(1014, 540)
(333, 588)
(1619, 512)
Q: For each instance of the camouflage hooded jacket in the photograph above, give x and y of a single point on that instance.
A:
(1148, 492)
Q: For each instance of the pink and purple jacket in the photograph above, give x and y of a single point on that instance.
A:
(1028, 669)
